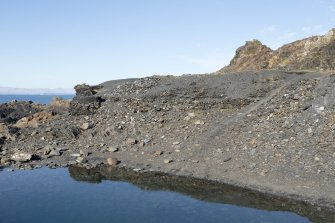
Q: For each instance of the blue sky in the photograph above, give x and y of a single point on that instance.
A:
(59, 43)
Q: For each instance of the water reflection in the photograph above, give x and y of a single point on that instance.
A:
(203, 190)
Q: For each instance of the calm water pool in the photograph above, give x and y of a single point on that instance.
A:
(103, 195)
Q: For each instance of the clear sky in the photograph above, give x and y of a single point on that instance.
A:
(59, 43)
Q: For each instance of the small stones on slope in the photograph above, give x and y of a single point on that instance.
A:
(252, 152)
(81, 160)
(199, 122)
(166, 161)
(227, 159)
(158, 153)
(75, 155)
(85, 126)
(131, 141)
(21, 157)
(4, 161)
(264, 172)
(55, 152)
(113, 149)
(112, 161)
(147, 140)
(47, 149)
(72, 162)
(84, 153)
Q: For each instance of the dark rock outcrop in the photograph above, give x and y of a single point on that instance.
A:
(86, 90)
(85, 102)
(14, 111)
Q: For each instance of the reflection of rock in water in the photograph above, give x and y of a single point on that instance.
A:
(203, 190)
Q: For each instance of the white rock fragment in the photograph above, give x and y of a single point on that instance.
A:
(319, 109)
(21, 157)
(199, 122)
(85, 126)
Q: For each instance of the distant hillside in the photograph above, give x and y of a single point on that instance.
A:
(10, 90)
(315, 53)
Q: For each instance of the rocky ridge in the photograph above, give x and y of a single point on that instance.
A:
(316, 53)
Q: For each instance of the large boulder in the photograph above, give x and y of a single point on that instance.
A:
(22, 157)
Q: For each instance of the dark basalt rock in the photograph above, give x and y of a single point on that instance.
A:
(85, 102)
(85, 105)
(13, 130)
(86, 90)
(12, 112)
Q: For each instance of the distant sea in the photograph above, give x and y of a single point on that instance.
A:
(41, 99)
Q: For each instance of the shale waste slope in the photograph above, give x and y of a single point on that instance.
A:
(266, 130)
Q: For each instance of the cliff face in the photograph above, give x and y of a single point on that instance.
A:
(315, 53)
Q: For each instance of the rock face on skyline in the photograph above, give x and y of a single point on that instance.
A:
(316, 53)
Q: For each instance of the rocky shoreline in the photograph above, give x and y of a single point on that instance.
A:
(269, 131)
